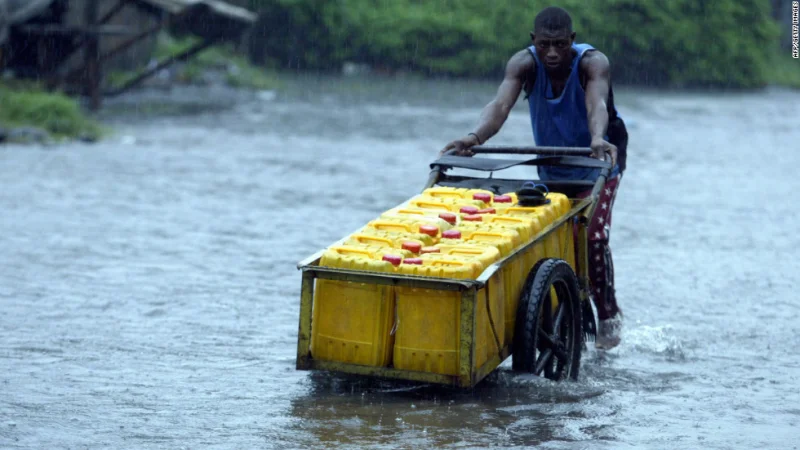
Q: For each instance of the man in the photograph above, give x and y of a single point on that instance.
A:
(571, 102)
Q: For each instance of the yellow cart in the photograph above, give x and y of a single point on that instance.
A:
(550, 319)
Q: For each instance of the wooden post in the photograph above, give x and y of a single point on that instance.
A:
(92, 55)
(183, 56)
(113, 11)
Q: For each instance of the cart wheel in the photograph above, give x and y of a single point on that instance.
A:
(548, 337)
(589, 321)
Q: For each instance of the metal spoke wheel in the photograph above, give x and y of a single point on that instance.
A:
(548, 337)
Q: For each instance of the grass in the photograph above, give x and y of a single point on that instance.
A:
(27, 105)
(236, 69)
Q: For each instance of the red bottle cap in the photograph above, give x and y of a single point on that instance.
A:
(502, 199)
(473, 218)
(394, 259)
(413, 247)
(482, 196)
(488, 211)
(448, 217)
(417, 261)
(430, 230)
(426, 250)
(468, 210)
(452, 234)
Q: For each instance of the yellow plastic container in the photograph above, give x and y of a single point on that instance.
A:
(416, 215)
(352, 322)
(445, 204)
(566, 238)
(486, 254)
(429, 321)
(422, 214)
(355, 249)
(459, 193)
(506, 240)
(398, 242)
(545, 214)
(533, 226)
(411, 225)
(560, 201)
(525, 227)
(392, 234)
(559, 206)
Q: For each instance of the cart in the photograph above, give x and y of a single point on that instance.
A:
(554, 313)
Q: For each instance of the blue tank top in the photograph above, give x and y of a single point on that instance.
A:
(562, 121)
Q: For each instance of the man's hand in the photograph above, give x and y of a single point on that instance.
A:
(600, 147)
(461, 146)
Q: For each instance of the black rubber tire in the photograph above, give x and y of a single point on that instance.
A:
(541, 346)
(589, 321)
(522, 312)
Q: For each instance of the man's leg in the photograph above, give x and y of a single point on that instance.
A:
(601, 266)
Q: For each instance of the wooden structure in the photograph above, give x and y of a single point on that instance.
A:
(45, 44)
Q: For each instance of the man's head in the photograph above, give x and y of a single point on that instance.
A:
(553, 37)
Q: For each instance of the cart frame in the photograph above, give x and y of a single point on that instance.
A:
(468, 375)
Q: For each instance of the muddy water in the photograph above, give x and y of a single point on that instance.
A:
(149, 297)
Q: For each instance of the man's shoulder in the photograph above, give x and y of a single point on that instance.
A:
(521, 63)
(594, 59)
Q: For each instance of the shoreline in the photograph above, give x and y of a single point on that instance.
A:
(176, 97)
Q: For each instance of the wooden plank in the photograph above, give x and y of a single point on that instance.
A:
(113, 11)
(148, 73)
(130, 42)
(75, 30)
(218, 7)
(92, 58)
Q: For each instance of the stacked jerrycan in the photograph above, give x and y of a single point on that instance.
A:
(442, 233)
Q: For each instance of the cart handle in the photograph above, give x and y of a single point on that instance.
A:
(534, 150)
(599, 184)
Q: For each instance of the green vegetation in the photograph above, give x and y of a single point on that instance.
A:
(236, 70)
(27, 105)
(677, 43)
(784, 70)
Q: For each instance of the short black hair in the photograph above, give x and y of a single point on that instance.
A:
(552, 19)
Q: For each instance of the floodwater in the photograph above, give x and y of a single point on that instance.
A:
(149, 295)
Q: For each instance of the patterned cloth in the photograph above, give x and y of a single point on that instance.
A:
(601, 266)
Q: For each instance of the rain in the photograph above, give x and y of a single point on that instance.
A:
(167, 164)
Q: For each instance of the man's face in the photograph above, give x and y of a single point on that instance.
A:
(554, 48)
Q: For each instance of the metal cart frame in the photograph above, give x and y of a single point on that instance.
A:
(468, 376)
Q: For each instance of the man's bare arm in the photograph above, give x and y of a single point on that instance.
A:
(496, 112)
(598, 82)
(598, 72)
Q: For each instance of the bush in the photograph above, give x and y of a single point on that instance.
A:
(676, 42)
(61, 116)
